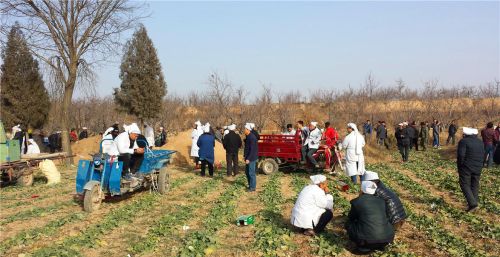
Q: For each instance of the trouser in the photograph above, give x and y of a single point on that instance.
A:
(451, 138)
(383, 141)
(326, 217)
(355, 177)
(404, 150)
(251, 176)
(414, 142)
(204, 164)
(131, 161)
(423, 143)
(435, 141)
(368, 137)
(232, 163)
(469, 183)
(488, 154)
(308, 152)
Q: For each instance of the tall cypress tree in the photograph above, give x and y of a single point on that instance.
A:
(143, 86)
(24, 98)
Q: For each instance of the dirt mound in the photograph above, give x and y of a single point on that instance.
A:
(82, 148)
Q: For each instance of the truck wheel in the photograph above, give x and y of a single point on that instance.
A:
(163, 181)
(25, 180)
(92, 200)
(269, 166)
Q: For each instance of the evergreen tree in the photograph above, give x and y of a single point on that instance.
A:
(24, 99)
(143, 86)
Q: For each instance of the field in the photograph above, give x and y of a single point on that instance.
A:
(47, 221)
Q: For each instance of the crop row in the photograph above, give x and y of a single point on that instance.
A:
(35, 199)
(167, 224)
(203, 242)
(90, 237)
(37, 212)
(443, 238)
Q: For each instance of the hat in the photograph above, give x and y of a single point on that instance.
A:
(206, 128)
(132, 128)
(197, 123)
(84, 128)
(314, 123)
(252, 125)
(248, 126)
(161, 128)
(231, 127)
(470, 131)
(370, 175)
(368, 187)
(405, 123)
(401, 124)
(316, 179)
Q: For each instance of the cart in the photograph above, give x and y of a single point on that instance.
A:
(101, 177)
(277, 151)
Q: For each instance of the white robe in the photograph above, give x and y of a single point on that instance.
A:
(353, 145)
(313, 139)
(122, 143)
(149, 134)
(197, 132)
(32, 147)
(310, 205)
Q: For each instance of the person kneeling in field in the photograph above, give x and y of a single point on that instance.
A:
(313, 209)
(395, 210)
(368, 225)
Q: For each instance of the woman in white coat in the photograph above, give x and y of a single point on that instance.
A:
(197, 132)
(313, 208)
(353, 144)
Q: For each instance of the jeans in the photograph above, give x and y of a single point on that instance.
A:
(383, 141)
(404, 150)
(469, 183)
(251, 176)
(232, 163)
(354, 179)
(435, 142)
(489, 149)
(204, 164)
(309, 153)
(323, 221)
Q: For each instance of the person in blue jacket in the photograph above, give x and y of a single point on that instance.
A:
(250, 155)
(206, 143)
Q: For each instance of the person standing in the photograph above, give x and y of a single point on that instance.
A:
(206, 144)
(250, 155)
(161, 138)
(435, 134)
(424, 135)
(452, 130)
(367, 130)
(489, 140)
(470, 154)
(403, 139)
(382, 134)
(195, 135)
(353, 144)
(330, 136)
(412, 134)
(84, 134)
(232, 144)
(149, 134)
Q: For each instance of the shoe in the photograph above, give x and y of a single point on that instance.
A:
(309, 232)
(472, 209)
(316, 166)
(251, 190)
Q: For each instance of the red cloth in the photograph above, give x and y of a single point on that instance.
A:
(331, 136)
(73, 136)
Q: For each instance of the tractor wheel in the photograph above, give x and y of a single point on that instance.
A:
(92, 199)
(163, 181)
(269, 166)
(25, 179)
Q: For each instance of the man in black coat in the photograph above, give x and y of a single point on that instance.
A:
(251, 155)
(452, 130)
(470, 156)
(403, 139)
(232, 144)
(368, 225)
(412, 134)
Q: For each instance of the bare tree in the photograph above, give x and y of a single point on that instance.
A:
(70, 36)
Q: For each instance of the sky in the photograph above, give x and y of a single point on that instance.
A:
(317, 45)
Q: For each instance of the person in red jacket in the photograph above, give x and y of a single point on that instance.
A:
(330, 136)
(73, 137)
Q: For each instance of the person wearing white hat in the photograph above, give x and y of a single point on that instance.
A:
(232, 144)
(129, 152)
(195, 134)
(470, 158)
(404, 139)
(313, 209)
(289, 130)
(149, 134)
(395, 209)
(355, 160)
(367, 224)
(83, 134)
(250, 155)
(206, 144)
(161, 138)
(311, 144)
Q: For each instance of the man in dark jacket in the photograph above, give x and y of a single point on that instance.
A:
(452, 130)
(84, 134)
(232, 144)
(412, 134)
(470, 154)
(423, 135)
(403, 139)
(382, 134)
(368, 225)
(395, 209)
(250, 155)
(489, 140)
(367, 130)
(435, 134)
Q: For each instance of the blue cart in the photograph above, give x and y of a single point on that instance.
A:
(102, 176)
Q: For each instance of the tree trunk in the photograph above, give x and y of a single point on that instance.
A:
(66, 104)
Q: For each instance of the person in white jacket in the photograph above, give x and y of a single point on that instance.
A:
(353, 144)
(108, 144)
(129, 153)
(197, 132)
(149, 134)
(311, 144)
(313, 208)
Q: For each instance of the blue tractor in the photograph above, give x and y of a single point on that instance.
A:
(101, 177)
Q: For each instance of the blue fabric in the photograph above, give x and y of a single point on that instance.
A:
(251, 176)
(488, 154)
(206, 143)
(367, 128)
(251, 148)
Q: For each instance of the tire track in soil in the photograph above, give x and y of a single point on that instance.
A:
(238, 241)
(462, 231)
(115, 241)
(73, 229)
